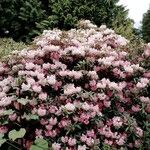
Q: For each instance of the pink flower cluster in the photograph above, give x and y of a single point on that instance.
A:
(77, 89)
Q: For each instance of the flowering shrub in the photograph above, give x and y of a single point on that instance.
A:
(74, 90)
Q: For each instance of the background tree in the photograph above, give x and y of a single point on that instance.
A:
(121, 23)
(146, 26)
(18, 17)
(26, 18)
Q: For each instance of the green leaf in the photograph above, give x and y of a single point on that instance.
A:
(8, 112)
(40, 144)
(23, 101)
(1, 136)
(31, 117)
(2, 141)
(13, 134)
(34, 147)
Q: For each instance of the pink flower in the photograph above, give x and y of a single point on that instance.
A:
(53, 121)
(96, 109)
(77, 74)
(30, 81)
(72, 142)
(37, 88)
(107, 103)
(56, 146)
(70, 89)
(50, 133)
(83, 138)
(147, 75)
(46, 66)
(57, 85)
(2, 69)
(90, 141)
(43, 96)
(101, 85)
(41, 112)
(147, 50)
(117, 122)
(90, 133)
(128, 69)
(139, 131)
(38, 133)
(40, 76)
(102, 96)
(53, 109)
(3, 129)
(13, 117)
(49, 127)
(55, 55)
(5, 101)
(136, 108)
(43, 121)
(140, 85)
(2, 94)
(93, 75)
(145, 99)
(120, 141)
(137, 143)
(108, 142)
(64, 123)
(6, 88)
(51, 79)
(64, 139)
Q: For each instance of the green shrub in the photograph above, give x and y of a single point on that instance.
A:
(8, 45)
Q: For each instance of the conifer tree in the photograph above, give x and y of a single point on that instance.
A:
(146, 26)
(26, 18)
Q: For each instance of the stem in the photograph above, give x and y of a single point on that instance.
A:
(12, 145)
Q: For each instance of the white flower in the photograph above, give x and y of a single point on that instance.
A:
(51, 79)
(70, 89)
(121, 41)
(70, 107)
(29, 66)
(128, 69)
(85, 106)
(25, 87)
(37, 88)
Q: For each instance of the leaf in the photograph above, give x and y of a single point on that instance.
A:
(8, 112)
(13, 134)
(31, 117)
(23, 101)
(2, 141)
(1, 136)
(40, 144)
(34, 147)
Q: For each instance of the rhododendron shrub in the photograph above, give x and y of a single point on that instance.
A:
(74, 90)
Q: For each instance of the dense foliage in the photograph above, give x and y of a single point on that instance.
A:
(8, 45)
(146, 26)
(23, 19)
(75, 90)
